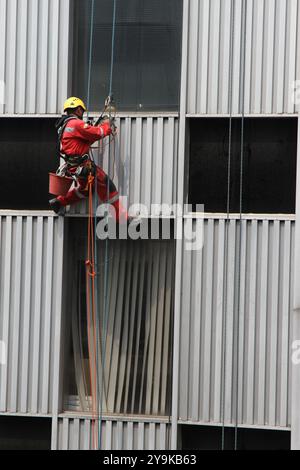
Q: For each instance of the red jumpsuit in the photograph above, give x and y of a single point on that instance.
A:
(76, 140)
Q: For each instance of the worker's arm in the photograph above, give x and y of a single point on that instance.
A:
(91, 133)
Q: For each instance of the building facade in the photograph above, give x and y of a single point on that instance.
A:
(200, 341)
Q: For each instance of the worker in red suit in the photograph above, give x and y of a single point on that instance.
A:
(75, 139)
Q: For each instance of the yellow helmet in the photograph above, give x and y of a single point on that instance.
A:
(73, 103)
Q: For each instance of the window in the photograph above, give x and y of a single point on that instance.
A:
(23, 433)
(210, 438)
(138, 345)
(269, 169)
(28, 154)
(147, 53)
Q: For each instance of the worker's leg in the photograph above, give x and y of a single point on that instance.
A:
(75, 194)
(108, 193)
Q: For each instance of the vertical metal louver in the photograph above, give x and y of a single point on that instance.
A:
(265, 291)
(134, 324)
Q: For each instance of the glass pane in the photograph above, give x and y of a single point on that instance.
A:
(28, 154)
(147, 53)
(269, 164)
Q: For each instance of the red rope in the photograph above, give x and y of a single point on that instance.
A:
(91, 310)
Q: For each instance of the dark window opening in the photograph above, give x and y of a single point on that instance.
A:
(28, 154)
(22, 433)
(210, 438)
(269, 165)
(135, 333)
(147, 53)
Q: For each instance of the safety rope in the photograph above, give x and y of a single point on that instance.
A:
(242, 109)
(236, 325)
(90, 263)
(94, 330)
(224, 313)
(106, 259)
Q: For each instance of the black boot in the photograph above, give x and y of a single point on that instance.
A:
(57, 207)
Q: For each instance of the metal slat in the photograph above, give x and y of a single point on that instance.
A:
(217, 380)
(119, 436)
(64, 52)
(141, 430)
(108, 435)
(208, 322)
(226, 6)
(111, 318)
(129, 436)
(291, 54)
(115, 359)
(147, 322)
(185, 330)
(152, 340)
(25, 365)
(5, 309)
(193, 66)
(242, 314)
(168, 160)
(53, 54)
(47, 318)
(274, 284)
(167, 329)
(3, 45)
(125, 331)
(285, 314)
(262, 322)
(251, 325)
(43, 44)
(268, 59)
(151, 436)
(213, 69)
(138, 328)
(32, 56)
(249, 55)
(15, 340)
(133, 321)
(21, 64)
(257, 49)
(11, 55)
(159, 332)
(148, 164)
(236, 70)
(136, 167)
(65, 434)
(157, 162)
(203, 56)
(274, 326)
(280, 46)
(230, 321)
